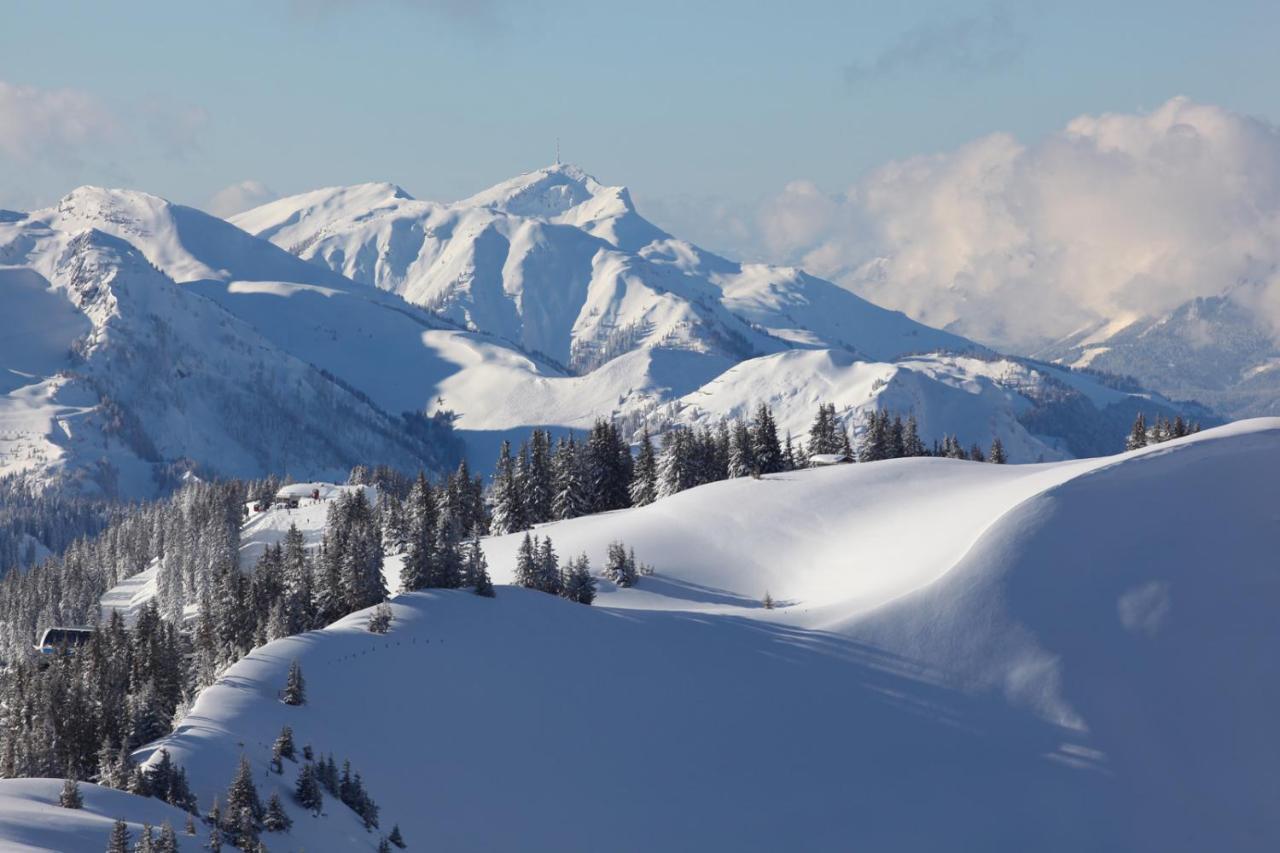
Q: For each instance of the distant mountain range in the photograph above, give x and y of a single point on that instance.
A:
(147, 339)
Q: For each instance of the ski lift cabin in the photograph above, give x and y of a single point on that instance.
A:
(63, 638)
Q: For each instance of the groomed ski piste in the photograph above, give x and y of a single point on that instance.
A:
(1069, 656)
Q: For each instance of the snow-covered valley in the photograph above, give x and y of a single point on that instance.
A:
(1074, 655)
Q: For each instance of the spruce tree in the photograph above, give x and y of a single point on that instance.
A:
(621, 567)
(396, 838)
(307, 790)
(276, 818)
(168, 840)
(549, 580)
(146, 840)
(508, 514)
(242, 799)
(118, 840)
(420, 556)
(911, 443)
(295, 687)
(476, 569)
(1138, 435)
(766, 450)
(997, 454)
(527, 573)
(569, 500)
(284, 743)
(579, 585)
(70, 797)
(644, 481)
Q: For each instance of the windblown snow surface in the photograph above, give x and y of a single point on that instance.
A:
(1071, 656)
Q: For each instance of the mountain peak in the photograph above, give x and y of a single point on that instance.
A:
(549, 192)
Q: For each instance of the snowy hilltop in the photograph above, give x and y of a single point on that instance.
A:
(1067, 658)
(358, 324)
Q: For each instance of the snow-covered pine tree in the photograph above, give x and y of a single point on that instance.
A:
(579, 585)
(911, 443)
(295, 686)
(396, 838)
(284, 743)
(420, 526)
(119, 838)
(644, 480)
(167, 842)
(362, 581)
(242, 801)
(508, 514)
(674, 464)
(447, 572)
(539, 490)
(307, 790)
(741, 451)
(527, 574)
(997, 454)
(276, 819)
(766, 449)
(549, 580)
(621, 566)
(476, 569)
(570, 499)
(380, 619)
(70, 797)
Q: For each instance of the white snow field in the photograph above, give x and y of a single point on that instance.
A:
(1072, 656)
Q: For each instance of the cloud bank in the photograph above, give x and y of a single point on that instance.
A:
(1113, 217)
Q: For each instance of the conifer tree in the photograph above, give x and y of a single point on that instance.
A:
(741, 453)
(569, 500)
(276, 818)
(579, 585)
(527, 573)
(1138, 435)
(295, 687)
(396, 838)
(168, 840)
(997, 454)
(420, 554)
(476, 569)
(118, 840)
(621, 566)
(70, 798)
(508, 514)
(911, 443)
(549, 579)
(244, 809)
(146, 840)
(644, 481)
(307, 790)
(766, 450)
(539, 486)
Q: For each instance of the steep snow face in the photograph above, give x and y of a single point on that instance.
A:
(563, 265)
(134, 376)
(1054, 657)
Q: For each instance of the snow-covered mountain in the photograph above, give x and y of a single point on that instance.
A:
(152, 338)
(562, 265)
(1216, 350)
(1072, 657)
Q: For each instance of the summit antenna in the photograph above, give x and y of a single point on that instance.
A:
(557, 151)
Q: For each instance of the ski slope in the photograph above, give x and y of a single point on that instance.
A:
(1068, 656)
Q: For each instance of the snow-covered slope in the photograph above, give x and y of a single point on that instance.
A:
(130, 377)
(1078, 655)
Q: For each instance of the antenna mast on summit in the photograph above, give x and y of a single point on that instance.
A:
(557, 151)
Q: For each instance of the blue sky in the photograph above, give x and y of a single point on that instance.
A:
(723, 100)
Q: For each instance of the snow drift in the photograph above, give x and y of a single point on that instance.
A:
(1077, 655)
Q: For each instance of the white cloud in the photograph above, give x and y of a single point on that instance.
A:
(1114, 216)
(53, 139)
(51, 124)
(240, 197)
